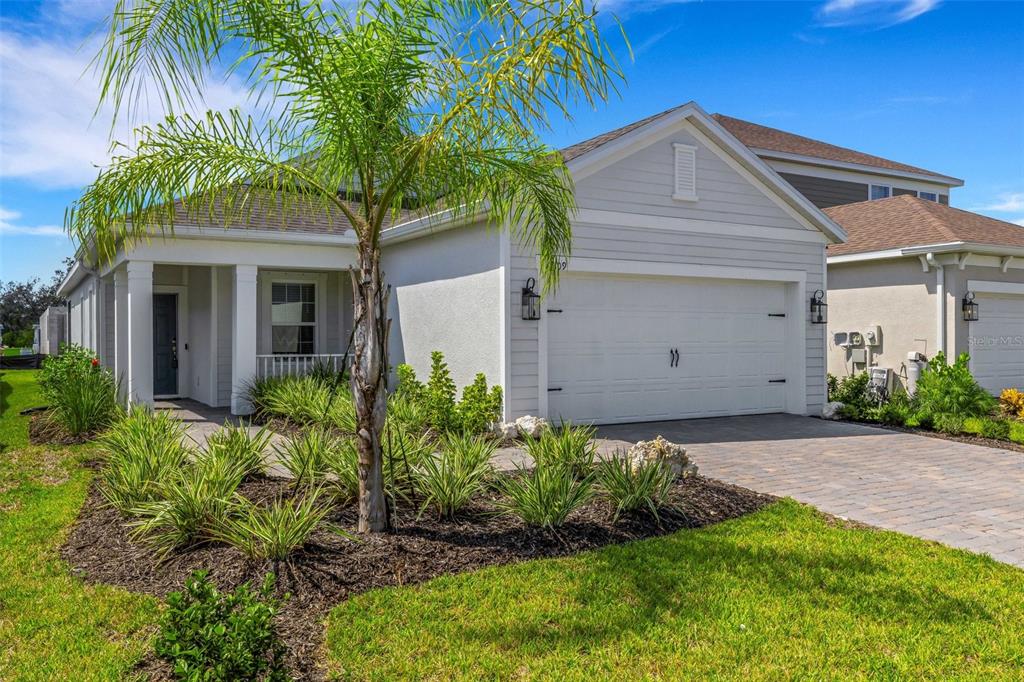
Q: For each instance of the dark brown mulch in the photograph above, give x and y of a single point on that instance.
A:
(960, 438)
(43, 430)
(332, 567)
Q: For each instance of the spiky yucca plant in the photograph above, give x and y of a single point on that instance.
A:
(634, 485)
(142, 450)
(449, 479)
(272, 532)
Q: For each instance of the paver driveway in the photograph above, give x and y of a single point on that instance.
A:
(962, 495)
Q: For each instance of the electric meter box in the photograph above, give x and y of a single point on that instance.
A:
(873, 336)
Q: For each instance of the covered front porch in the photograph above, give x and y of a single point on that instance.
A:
(205, 331)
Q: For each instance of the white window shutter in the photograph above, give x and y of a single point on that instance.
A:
(686, 172)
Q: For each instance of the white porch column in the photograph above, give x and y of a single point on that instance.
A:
(243, 337)
(121, 328)
(140, 331)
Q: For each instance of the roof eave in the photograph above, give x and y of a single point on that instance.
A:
(936, 178)
(924, 249)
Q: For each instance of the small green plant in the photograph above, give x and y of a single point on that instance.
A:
(634, 485)
(408, 386)
(402, 451)
(271, 533)
(945, 422)
(142, 450)
(479, 407)
(568, 446)
(406, 412)
(893, 412)
(852, 392)
(313, 399)
(208, 636)
(998, 429)
(343, 465)
(439, 395)
(82, 395)
(545, 496)
(1017, 432)
(240, 446)
(945, 389)
(305, 456)
(192, 503)
(450, 478)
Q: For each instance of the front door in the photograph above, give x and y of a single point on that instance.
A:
(165, 344)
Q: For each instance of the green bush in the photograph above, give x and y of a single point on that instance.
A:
(433, 405)
(406, 412)
(1017, 432)
(239, 446)
(893, 412)
(305, 455)
(944, 422)
(852, 392)
(570, 447)
(272, 532)
(545, 496)
(632, 486)
(450, 478)
(192, 503)
(439, 396)
(142, 451)
(83, 397)
(212, 637)
(23, 338)
(945, 389)
(479, 407)
(402, 451)
(408, 386)
(343, 464)
(304, 400)
(995, 428)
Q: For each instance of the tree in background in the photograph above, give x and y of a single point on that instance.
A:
(21, 304)
(364, 111)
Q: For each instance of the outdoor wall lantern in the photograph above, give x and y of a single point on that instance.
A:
(819, 309)
(531, 301)
(970, 307)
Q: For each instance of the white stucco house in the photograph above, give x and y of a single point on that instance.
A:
(687, 293)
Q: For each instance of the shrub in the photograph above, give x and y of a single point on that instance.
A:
(408, 386)
(1017, 432)
(343, 464)
(893, 412)
(305, 455)
(81, 394)
(272, 532)
(449, 479)
(634, 485)
(479, 407)
(304, 400)
(570, 447)
(852, 392)
(143, 450)
(1012, 402)
(402, 450)
(945, 422)
(193, 502)
(546, 496)
(998, 429)
(239, 446)
(406, 412)
(945, 389)
(208, 636)
(439, 396)
(19, 339)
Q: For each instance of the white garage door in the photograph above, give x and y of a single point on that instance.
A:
(626, 348)
(997, 342)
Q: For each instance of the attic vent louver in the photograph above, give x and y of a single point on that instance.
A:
(686, 172)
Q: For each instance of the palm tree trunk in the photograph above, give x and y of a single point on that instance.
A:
(369, 374)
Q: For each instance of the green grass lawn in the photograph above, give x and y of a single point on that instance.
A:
(780, 594)
(52, 626)
(12, 351)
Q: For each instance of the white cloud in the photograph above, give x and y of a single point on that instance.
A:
(1018, 221)
(48, 95)
(1009, 201)
(624, 8)
(9, 227)
(878, 13)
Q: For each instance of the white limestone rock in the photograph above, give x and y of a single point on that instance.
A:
(505, 430)
(832, 410)
(659, 449)
(529, 426)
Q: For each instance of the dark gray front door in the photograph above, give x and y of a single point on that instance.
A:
(165, 344)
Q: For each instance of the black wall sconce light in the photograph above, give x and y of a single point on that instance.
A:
(819, 309)
(970, 308)
(531, 301)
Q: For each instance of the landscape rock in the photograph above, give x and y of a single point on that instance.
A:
(505, 430)
(530, 426)
(832, 410)
(672, 454)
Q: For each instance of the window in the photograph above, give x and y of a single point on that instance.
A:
(880, 192)
(929, 196)
(686, 172)
(293, 318)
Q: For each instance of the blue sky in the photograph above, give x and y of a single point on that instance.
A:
(935, 84)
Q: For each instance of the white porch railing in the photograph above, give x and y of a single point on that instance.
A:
(296, 365)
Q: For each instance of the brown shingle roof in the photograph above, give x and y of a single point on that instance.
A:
(581, 148)
(906, 221)
(762, 137)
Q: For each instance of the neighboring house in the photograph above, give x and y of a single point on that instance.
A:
(51, 331)
(906, 268)
(687, 293)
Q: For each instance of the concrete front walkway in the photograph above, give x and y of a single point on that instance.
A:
(963, 495)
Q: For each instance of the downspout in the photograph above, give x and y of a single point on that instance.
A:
(940, 309)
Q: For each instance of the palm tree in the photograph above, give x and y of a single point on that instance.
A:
(359, 110)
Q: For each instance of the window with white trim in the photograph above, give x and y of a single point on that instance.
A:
(685, 172)
(880, 192)
(293, 318)
(928, 196)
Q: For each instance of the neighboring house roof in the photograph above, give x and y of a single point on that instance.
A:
(764, 139)
(906, 221)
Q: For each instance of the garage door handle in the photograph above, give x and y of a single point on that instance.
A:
(554, 390)
(776, 381)
(673, 357)
(554, 310)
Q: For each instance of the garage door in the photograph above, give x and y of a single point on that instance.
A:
(997, 342)
(626, 348)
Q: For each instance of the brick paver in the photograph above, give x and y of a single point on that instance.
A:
(963, 495)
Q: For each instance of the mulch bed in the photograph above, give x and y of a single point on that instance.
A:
(42, 430)
(332, 568)
(962, 438)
